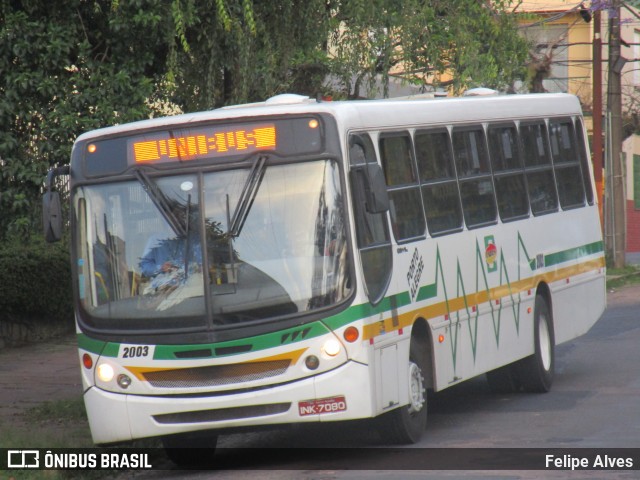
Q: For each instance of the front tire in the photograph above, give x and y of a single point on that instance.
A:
(405, 425)
(536, 371)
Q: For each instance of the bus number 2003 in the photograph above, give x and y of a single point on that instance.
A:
(135, 351)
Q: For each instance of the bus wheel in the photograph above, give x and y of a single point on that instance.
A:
(190, 450)
(406, 424)
(536, 371)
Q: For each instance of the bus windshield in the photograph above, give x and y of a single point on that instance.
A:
(215, 248)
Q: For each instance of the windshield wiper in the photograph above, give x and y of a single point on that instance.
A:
(248, 195)
(162, 203)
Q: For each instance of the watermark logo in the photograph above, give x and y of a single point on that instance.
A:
(23, 459)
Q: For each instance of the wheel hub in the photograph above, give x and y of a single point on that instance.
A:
(416, 388)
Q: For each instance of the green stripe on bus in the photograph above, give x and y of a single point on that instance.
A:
(358, 312)
(260, 342)
(98, 347)
(573, 253)
(427, 292)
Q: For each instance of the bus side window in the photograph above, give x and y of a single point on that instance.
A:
(584, 161)
(439, 185)
(537, 162)
(474, 174)
(372, 231)
(407, 216)
(566, 162)
(508, 172)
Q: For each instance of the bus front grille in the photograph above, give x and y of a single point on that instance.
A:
(216, 375)
(221, 414)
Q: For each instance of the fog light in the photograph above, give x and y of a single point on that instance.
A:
(105, 372)
(124, 381)
(312, 362)
(331, 347)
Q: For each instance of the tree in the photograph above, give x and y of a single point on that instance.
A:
(446, 43)
(242, 51)
(67, 66)
(238, 51)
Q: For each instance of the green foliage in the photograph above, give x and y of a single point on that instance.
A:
(473, 43)
(35, 293)
(237, 51)
(67, 66)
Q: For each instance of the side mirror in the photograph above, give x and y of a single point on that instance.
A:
(375, 187)
(51, 217)
(51, 208)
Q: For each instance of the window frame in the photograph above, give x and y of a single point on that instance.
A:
(537, 169)
(507, 173)
(480, 176)
(440, 181)
(396, 189)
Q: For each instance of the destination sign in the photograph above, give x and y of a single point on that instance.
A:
(203, 143)
(178, 144)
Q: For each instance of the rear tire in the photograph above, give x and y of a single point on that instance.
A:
(536, 371)
(405, 425)
(504, 379)
(190, 450)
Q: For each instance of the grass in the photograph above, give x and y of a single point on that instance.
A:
(51, 425)
(619, 277)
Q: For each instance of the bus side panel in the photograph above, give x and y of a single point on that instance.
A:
(572, 318)
(475, 345)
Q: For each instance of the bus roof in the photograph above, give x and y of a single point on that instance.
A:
(376, 114)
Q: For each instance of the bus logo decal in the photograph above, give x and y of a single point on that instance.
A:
(490, 253)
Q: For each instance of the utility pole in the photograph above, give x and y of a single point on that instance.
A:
(596, 110)
(616, 233)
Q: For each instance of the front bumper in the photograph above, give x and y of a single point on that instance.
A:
(115, 417)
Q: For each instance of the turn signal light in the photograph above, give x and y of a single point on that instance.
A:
(351, 334)
(87, 361)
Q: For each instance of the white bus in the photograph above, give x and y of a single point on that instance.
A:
(294, 261)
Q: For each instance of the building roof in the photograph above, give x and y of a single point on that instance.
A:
(547, 6)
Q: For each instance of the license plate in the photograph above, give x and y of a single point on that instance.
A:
(319, 406)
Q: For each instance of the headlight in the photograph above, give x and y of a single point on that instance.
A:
(105, 372)
(331, 347)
